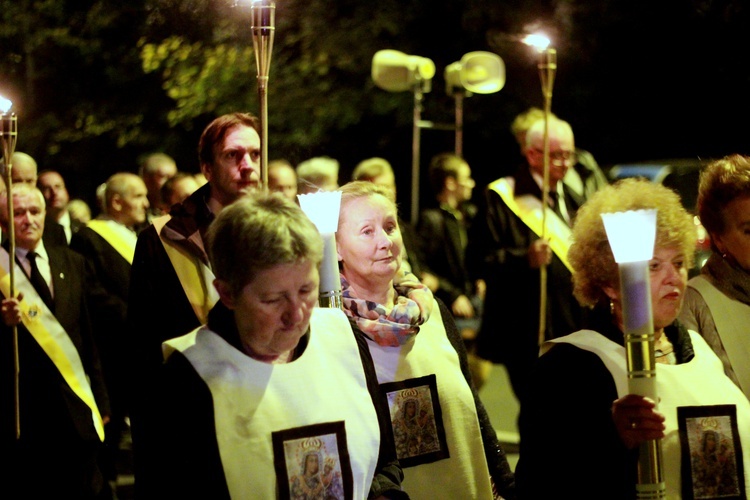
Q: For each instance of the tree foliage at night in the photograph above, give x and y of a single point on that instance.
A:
(97, 82)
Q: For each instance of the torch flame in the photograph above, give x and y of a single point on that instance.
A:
(537, 40)
(5, 104)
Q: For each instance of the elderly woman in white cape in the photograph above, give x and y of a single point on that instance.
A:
(272, 378)
(580, 429)
(444, 439)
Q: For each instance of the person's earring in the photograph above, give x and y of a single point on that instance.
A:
(611, 307)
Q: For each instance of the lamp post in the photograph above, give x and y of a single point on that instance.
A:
(631, 236)
(322, 209)
(263, 28)
(547, 69)
(395, 71)
(8, 138)
(478, 72)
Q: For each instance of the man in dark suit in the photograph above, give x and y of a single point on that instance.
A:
(24, 171)
(108, 243)
(56, 194)
(506, 250)
(443, 236)
(63, 402)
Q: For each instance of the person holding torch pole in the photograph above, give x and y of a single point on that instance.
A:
(637, 380)
(511, 243)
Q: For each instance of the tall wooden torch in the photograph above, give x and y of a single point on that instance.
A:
(547, 70)
(263, 27)
(8, 137)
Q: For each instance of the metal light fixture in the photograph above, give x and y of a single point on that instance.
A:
(631, 236)
(395, 71)
(263, 28)
(322, 208)
(476, 73)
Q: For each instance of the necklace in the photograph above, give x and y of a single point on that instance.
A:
(664, 351)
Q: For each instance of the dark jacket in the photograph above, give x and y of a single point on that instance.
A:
(443, 238)
(56, 456)
(190, 465)
(109, 313)
(498, 252)
(569, 443)
(158, 310)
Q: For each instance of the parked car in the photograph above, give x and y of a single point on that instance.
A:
(680, 175)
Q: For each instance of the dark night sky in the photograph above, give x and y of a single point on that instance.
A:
(637, 81)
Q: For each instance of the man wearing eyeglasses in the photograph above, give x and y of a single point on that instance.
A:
(585, 177)
(507, 251)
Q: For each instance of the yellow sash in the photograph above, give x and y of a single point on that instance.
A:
(51, 336)
(196, 278)
(110, 235)
(529, 209)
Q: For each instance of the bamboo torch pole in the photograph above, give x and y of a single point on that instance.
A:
(547, 71)
(263, 28)
(8, 137)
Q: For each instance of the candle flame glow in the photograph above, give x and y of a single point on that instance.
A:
(537, 40)
(5, 104)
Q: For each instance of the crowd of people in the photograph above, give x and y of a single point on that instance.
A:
(186, 314)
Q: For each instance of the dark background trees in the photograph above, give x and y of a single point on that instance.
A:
(97, 83)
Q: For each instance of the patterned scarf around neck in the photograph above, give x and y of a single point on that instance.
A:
(413, 308)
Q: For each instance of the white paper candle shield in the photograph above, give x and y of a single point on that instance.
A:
(322, 209)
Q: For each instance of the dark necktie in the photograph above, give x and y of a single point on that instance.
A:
(555, 205)
(38, 281)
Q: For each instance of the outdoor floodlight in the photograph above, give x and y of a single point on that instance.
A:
(395, 71)
(477, 72)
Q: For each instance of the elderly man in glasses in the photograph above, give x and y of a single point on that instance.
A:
(507, 251)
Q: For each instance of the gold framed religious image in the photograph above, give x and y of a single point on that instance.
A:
(711, 456)
(313, 462)
(416, 420)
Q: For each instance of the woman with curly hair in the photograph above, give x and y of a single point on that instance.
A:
(580, 430)
(717, 302)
